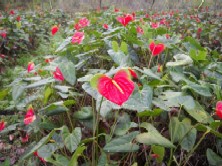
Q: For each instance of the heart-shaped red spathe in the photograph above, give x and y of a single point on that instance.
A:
(156, 49)
(117, 89)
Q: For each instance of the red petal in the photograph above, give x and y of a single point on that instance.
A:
(30, 116)
(156, 49)
(117, 90)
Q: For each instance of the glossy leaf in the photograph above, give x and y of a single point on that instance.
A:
(122, 144)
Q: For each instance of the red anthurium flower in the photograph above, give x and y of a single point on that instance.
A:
(37, 155)
(154, 25)
(25, 138)
(78, 37)
(117, 89)
(30, 116)
(125, 20)
(83, 22)
(139, 30)
(219, 109)
(54, 29)
(18, 18)
(2, 56)
(116, 10)
(12, 12)
(48, 60)
(3, 35)
(156, 49)
(147, 15)
(77, 26)
(30, 67)
(105, 26)
(2, 125)
(163, 21)
(199, 30)
(133, 73)
(58, 74)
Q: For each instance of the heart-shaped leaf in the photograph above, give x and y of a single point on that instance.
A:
(181, 59)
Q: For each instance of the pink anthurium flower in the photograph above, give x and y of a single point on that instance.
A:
(30, 67)
(78, 37)
(3, 35)
(156, 49)
(139, 30)
(18, 18)
(83, 22)
(125, 20)
(117, 89)
(58, 74)
(154, 25)
(30, 116)
(12, 12)
(105, 26)
(219, 109)
(77, 26)
(2, 125)
(54, 29)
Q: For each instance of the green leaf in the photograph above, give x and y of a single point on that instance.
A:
(47, 150)
(9, 128)
(17, 91)
(32, 149)
(205, 128)
(153, 137)
(78, 152)
(95, 79)
(160, 151)
(189, 141)
(69, 102)
(201, 90)
(63, 89)
(69, 72)
(115, 46)
(213, 158)
(140, 100)
(152, 113)
(198, 55)
(122, 144)
(40, 83)
(102, 160)
(181, 59)
(47, 94)
(120, 58)
(123, 124)
(71, 140)
(53, 109)
(3, 93)
(194, 43)
(199, 113)
(124, 48)
(84, 113)
(147, 72)
(182, 131)
(59, 160)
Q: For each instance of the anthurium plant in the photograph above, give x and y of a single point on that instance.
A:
(113, 88)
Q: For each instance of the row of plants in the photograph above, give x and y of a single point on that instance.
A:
(119, 89)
